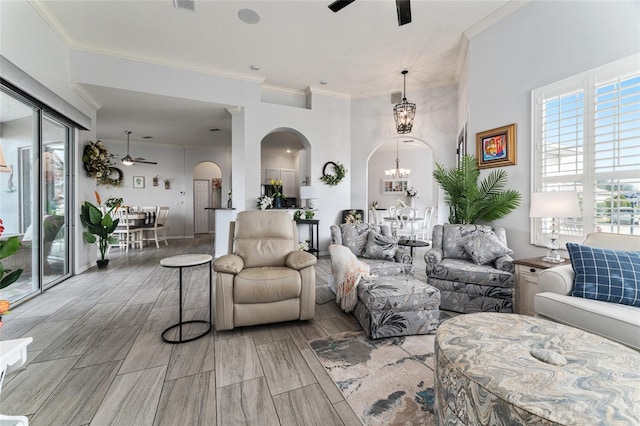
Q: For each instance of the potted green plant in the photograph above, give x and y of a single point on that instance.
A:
(99, 227)
(469, 201)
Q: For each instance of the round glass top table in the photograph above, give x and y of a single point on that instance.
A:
(412, 244)
(508, 369)
(185, 261)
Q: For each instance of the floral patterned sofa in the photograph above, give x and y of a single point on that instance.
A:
(472, 268)
(355, 237)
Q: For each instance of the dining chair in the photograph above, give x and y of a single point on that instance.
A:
(127, 233)
(423, 233)
(391, 217)
(374, 217)
(158, 226)
(405, 219)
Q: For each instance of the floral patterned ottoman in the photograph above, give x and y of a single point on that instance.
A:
(397, 306)
(505, 369)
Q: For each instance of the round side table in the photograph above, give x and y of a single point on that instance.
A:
(412, 244)
(186, 261)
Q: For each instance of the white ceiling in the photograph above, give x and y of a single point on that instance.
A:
(359, 51)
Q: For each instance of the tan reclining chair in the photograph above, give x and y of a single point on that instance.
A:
(266, 279)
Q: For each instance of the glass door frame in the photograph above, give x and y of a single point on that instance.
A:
(37, 193)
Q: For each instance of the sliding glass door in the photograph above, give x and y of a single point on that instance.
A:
(34, 190)
(54, 189)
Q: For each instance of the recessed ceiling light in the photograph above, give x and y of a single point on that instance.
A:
(324, 82)
(147, 137)
(214, 130)
(288, 151)
(249, 16)
(255, 67)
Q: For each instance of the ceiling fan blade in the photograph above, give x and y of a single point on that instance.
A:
(137, 160)
(339, 4)
(404, 11)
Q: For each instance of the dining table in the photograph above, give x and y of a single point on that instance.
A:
(413, 220)
(137, 219)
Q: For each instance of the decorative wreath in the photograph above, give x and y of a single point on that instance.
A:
(114, 178)
(332, 179)
(98, 165)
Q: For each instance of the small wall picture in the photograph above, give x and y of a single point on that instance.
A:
(138, 181)
(496, 147)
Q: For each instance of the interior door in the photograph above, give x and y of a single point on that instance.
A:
(201, 200)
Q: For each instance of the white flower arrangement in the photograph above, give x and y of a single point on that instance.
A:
(265, 202)
(413, 193)
(303, 246)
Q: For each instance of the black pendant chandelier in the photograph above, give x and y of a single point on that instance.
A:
(404, 112)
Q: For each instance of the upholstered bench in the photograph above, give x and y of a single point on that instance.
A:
(397, 306)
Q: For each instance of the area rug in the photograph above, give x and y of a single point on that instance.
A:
(386, 381)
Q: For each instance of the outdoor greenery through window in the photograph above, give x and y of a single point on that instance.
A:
(586, 134)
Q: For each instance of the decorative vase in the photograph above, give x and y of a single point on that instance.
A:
(102, 263)
(167, 185)
(155, 181)
(308, 215)
(411, 202)
(278, 202)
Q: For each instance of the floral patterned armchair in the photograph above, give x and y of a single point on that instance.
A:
(378, 249)
(472, 267)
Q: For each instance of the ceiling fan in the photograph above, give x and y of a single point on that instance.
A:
(127, 160)
(403, 7)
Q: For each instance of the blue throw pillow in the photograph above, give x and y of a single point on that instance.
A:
(604, 274)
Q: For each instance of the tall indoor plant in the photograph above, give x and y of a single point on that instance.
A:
(99, 227)
(469, 201)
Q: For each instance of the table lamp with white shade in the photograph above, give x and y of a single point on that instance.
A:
(309, 193)
(554, 205)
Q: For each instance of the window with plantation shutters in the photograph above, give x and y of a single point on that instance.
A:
(586, 138)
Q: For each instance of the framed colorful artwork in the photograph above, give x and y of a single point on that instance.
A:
(496, 147)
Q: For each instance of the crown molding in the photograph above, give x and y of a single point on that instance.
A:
(121, 54)
(52, 21)
(320, 91)
(80, 90)
(494, 18)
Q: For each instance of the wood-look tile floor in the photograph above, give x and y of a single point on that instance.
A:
(97, 357)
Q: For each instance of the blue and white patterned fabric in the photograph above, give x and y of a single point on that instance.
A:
(605, 274)
(488, 372)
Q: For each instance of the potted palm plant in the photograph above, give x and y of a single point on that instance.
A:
(99, 227)
(469, 201)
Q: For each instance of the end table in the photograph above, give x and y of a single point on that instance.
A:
(186, 261)
(527, 272)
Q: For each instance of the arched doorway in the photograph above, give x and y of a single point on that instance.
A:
(285, 155)
(412, 153)
(207, 194)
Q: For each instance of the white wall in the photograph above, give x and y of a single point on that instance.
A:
(540, 43)
(326, 126)
(434, 125)
(419, 159)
